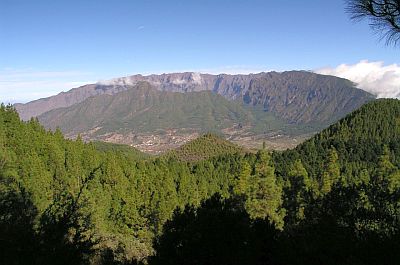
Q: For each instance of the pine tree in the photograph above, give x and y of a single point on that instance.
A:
(298, 192)
(331, 173)
(242, 184)
(264, 200)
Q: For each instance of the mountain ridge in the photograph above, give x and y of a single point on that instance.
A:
(285, 94)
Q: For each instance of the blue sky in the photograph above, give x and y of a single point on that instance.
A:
(47, 46)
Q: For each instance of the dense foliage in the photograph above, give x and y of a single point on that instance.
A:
(335, 199)
(100, 196)
(126, 150)
(204, 147)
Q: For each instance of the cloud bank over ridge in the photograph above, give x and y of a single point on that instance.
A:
(374, 77)
(27, 84)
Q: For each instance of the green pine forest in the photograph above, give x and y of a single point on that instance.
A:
(335, 199)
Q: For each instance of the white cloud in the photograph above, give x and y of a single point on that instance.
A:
(374, 77)
(26, 85)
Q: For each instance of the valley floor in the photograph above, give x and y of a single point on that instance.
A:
(162, 141)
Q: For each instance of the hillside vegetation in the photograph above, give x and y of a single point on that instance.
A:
(332, 200)
(128, 151)
(204, 147)
(359, 138)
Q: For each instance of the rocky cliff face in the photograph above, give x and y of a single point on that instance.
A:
(297, 96)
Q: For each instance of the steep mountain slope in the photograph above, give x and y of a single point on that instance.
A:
(65, 99)
(298, 96)
(149, 119)
(303, 97)
(146, 109)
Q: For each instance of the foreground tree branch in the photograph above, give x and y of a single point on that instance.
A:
(384, 17)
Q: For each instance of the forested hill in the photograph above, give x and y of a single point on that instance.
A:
(204, 147)
(332, 200)
(376, 122)
(359, 138)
